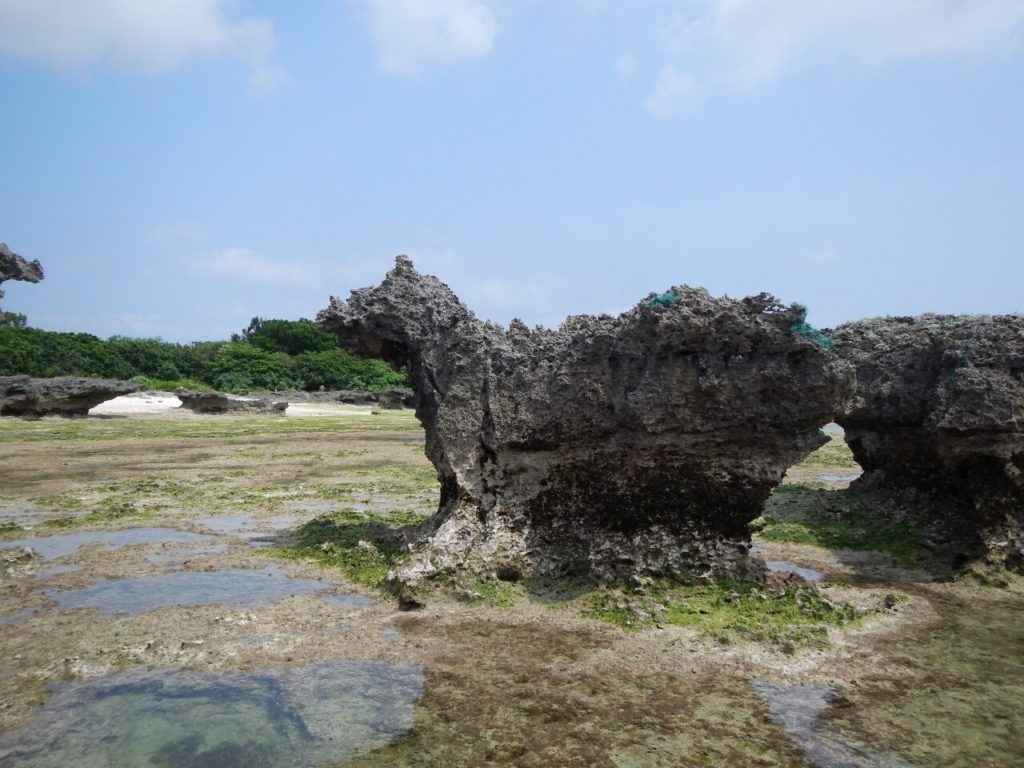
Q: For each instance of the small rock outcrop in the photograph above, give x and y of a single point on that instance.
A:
(218, 403)
(14, 267)
(68, 396)
(392, 399)
(938, 415)
(613, 447)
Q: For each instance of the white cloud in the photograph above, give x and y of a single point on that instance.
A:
(150, 36)
(735, 43)
(244, 265)
(411, 36)
(759, 41)
(674, 92)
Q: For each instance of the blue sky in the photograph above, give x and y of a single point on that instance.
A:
(179, 166)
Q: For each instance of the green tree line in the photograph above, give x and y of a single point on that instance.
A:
(268, 355)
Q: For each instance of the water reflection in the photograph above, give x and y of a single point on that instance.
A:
(797, 709)
(314, 715)
(807, 573)
(50, 547)
(240, 587)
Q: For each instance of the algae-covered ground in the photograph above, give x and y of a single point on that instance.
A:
(244, 551)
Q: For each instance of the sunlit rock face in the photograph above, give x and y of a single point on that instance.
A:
(939, 412)
(14, 267)
(219, 403)
(67, 396)
(615, 446)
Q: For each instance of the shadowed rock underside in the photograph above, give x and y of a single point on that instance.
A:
(68, 396)
(615, 446)
(938, 419)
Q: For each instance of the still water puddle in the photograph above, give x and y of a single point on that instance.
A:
(50, 547)
(57, 570)
(245, 588)
(14, 618)
(834, 478)
(349, 601)
(245, 527)
(808, 573)
(321, 714)
(179, 556)
(797, 709)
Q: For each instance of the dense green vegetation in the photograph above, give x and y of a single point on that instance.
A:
(268, 355)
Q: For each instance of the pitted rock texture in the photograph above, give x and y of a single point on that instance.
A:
(939, 414)
(14, 267)
(616, 446)
(218, 403)
(62, 396)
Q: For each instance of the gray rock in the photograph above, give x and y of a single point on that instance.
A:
(938, 419)
(14, 267)
(67, 396)
(615, 446)
(393, 399)
(218, 403)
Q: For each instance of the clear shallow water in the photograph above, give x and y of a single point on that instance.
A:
(798, 710)
(808, 573)
(320, 714)
(240, 587)
(50, 547)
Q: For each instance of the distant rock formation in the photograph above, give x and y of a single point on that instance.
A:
(613, 447)
(218, 403)
(62, 396)
(392, 399)
(939, 412)
(14, 267)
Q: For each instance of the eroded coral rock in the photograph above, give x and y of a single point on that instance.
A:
(68, 396)
(14, 267)
(219, 403)
(938, 415)
(614, 446)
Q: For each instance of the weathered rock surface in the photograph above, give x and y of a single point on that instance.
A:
(939, 414)
(615, 446)
(14, 267)
(392, 399)
(62, 396)
(218, 402)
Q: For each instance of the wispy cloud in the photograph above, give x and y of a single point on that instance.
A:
(674, 92)
(414, 36)
(244, 265)
(741, 43)
(151, 37)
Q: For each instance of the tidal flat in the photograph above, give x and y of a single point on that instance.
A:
(888, 662)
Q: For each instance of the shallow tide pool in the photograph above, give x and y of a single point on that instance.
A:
(242, 587)
(320, 714)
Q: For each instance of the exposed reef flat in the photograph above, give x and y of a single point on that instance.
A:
(613, 447)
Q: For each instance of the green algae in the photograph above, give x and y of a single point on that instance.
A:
(730, 611)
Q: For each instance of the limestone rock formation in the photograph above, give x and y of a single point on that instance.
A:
(14, 267)
(939, 412)
(62, 396)
(218, 403)
(615, 446)
(392, 399)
